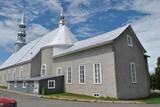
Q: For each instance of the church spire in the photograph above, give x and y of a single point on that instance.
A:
(61, 18)
(23, 19)
(21, 37)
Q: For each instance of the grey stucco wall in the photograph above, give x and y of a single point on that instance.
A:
(47, 54)
(28, 89)
(36, 65)
(26, 72)
(105, 56)
(124, 55)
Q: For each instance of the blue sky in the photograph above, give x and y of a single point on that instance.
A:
(85, 18)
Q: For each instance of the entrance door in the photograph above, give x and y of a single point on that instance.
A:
(36, 87)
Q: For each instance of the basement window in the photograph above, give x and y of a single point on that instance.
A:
(51, 84)
(96, 94)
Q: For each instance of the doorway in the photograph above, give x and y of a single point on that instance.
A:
(36, 87)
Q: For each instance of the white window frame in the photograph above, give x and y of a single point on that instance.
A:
(21, 70)
(68, 75)
(96, 94)
(45, 68)
(24, 84)
(54, 82)
(84, 74)
(61, 72)
(100, 72)
(129, 38)
(14, 74)
(3, 77)
(15, 84)
(9, 75)
(133, 73)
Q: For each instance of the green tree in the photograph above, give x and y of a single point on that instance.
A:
(157, 74)
(153, 81)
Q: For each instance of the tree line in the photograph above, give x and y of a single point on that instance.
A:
(155, 77)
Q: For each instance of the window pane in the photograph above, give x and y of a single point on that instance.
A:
(133, 73)
(43, 70)
(69, 75)
(97, 73)
(82, 74)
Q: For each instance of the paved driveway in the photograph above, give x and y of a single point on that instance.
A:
(31, 101)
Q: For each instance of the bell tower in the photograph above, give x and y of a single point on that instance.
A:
(21, 37)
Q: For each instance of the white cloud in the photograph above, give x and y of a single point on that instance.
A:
(36, 30)
(10, 12)
(147, 27)
(7, 32)
(77, 13)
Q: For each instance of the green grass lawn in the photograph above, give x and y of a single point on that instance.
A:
(154, 98)
(78, 96)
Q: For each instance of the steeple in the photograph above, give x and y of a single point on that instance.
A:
(61, 18)
(23, 19)
(21, 37)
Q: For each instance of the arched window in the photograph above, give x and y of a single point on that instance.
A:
(14, 74)
(43, 70)
(59, 70)
(9, 76)
(69, 75)
(21, 72)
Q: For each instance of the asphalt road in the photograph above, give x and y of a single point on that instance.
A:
(32, 101)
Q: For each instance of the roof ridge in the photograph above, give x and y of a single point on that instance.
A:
(98, 35)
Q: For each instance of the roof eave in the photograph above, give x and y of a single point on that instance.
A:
(82, 49)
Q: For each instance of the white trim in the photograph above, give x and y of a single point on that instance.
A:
(96, 94)
(61, 72)
(54, 84)
(14, 74)
(21, 69)
(3, 77)
(8, 86)
(24, 84)
(133, 81)
(9, 75)
(15, 84)
(36, 87)
(45, 68)
(129, 44)
(67, 75)
(84, 74)
(100, 68)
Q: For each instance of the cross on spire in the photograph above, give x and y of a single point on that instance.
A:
(61, 18)
(23, 18)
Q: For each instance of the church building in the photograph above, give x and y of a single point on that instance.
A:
(113, 64)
